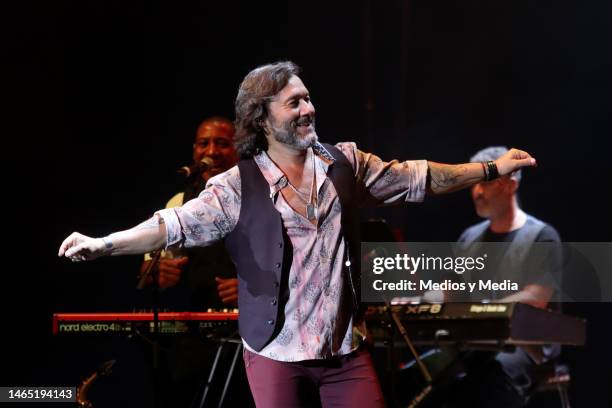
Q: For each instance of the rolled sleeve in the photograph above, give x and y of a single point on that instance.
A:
(417, 170)
(387, 182)
(207, 218)
(173, 227)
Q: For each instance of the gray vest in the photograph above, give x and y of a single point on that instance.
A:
(262, 252)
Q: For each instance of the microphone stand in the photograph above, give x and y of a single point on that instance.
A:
(422, 368)
(153, 272)
(417, 358)
(395, 315)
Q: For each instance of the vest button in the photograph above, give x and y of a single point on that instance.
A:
(273, 302)
(280, 244)
(278, 264)
(271, 322)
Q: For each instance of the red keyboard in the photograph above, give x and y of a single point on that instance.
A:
(169, 322)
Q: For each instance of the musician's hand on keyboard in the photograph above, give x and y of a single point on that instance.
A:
(227, 290)
(78, 247)
(170, 270)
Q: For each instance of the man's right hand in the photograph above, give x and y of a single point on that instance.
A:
(79, 247)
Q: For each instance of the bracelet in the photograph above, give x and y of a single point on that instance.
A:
(493, 172)
(484, 170)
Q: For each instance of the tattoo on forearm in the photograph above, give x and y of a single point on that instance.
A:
(443, 177)
(108, 244)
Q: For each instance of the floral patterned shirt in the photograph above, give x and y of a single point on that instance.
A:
(310, 329)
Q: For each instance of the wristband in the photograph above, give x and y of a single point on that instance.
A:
(493, 173)
(485, 172)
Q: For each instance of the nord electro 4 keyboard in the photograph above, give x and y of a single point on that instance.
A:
(479, 324)
(127, 323)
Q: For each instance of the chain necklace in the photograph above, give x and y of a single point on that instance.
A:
(311, 207)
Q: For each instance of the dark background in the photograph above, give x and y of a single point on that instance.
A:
(102, 98)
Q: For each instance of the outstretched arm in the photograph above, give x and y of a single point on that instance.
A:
(145, 237)
(445, 178)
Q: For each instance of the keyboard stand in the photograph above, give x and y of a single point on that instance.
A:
(222, 341)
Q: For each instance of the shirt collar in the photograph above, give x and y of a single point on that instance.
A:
(276, 178)
(320, 150)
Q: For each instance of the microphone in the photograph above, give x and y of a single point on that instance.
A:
(196, 168)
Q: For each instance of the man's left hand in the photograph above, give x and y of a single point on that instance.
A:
(513, 160)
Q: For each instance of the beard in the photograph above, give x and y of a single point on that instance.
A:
(287, 133)
(482, 208)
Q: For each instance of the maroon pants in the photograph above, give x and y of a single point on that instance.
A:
(348, 381)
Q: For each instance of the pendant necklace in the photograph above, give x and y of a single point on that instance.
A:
(311, 207)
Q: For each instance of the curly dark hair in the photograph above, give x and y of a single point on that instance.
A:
(254, 96)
